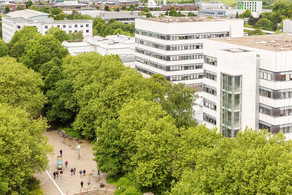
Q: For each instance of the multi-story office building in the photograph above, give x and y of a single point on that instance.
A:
(174, 47)
(248, 82)
(16, 20)
(253, 6)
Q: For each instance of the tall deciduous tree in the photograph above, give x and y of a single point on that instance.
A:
(179, 104)
(41, 50)
(20, 86)
(23, 149)
(252, 163)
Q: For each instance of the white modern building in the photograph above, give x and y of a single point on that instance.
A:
(287, 26)
(248, 83)
(16, 20)
(211, 5)
(121, 45)
(126, 17)
(253, 6)
(174, 47)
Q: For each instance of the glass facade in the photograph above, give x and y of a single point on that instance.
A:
(230, 111)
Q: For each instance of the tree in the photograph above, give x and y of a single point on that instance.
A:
(255, 32)
(265, 24)
(23, 151)
(3, 48)
(58, 33)
(28, 4)
(246, 14)
(145, 9)
(41, 50)
(124, 7)
(191, 14)
(252, 21)
(132, 8)
(20, 7)
(179, 104)
(253, 162)
(237, 16)
(20, 39)
(190, 142)
(182, 9)
(106, 8)
(7, 10)
(20, 86)
(156, 9)
(76, 36)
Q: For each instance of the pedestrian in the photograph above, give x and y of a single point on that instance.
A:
(81, 183)
(71, 171)
(74, 170)
(84, 171)
(54, 174)
(88, 182)
(57, 173)
(66, 164)
(80, 172)
(61, 152)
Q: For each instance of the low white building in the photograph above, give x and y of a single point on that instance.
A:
(16, 20)
(121, 45)
(248, 83)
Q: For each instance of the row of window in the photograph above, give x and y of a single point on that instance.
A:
(170, 68)
(210, 75)
(275, 94)
(266, 75)
(170, 47)
(264, 109)
(210, 90)
(208, 118)
(287, 129)
(210, 60)
(69, 26)
(170, 58)
(209, 104)
(185, 77)
(70, 31)
(183, 37)
(283, 128)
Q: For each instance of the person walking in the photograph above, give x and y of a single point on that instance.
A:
(81, 183)
(80, 172)
(84, 171)
(66, 164)
(74, 170)
(88, 183)
(61, 153)
(57, 173)
(71, 171)
(54, 174)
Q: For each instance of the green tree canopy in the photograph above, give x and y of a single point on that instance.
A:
(246, 14)
(20, 86)
(58, 34)
(253, 162)
(20, 39)
(265, 24)
(3, 48)
(23, 149)
(41, 50)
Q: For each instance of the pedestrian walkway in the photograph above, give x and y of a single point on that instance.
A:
(67, 183)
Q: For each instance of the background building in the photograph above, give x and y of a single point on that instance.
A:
(287, 26)
(16, 20)
(174, 47)
(248, 82)
(253, 6)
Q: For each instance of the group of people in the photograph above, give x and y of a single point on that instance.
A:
(72, 171)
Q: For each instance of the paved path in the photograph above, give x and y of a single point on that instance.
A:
(67, 183)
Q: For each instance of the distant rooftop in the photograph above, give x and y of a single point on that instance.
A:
(27, 13)
(280, 42)
(182, 19)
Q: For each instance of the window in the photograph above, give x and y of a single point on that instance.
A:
(209, 104)
(209, 119)
(265, 75)
(265, 93)
(210, 75)
(87, 25)
(87, 31)
(46, 27)
(58, 26)
(210, 90)
(76, 25)
(81, 25)
(18, 27)
(210, 60)
(64, 26)
(70, 26)
(70, 31)
(265, 109)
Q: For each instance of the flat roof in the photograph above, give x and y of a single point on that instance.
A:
(279, 42)
(181, 19)
(27, 13)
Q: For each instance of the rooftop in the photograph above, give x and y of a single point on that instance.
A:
(280, 42)
(181, 19)
(27, 13)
